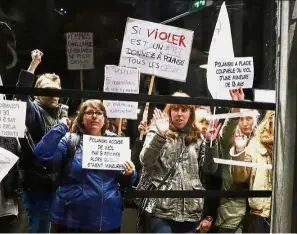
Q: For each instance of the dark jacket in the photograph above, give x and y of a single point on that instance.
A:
(39, 119)
(88, 199)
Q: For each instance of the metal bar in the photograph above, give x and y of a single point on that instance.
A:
(87, 94)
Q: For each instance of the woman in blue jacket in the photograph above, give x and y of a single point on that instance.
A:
(87, 200)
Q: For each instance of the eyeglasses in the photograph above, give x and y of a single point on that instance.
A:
(91, 113)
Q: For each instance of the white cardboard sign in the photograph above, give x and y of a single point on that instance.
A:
(105, 153)
(121, 80)
(12, 118)
(80, 50)
(264, 95)
(7, 160)
(233, 73)
(121, 109)
(157, 49)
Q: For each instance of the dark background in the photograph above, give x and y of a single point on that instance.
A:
(43, 24)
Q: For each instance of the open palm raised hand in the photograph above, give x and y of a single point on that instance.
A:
(162, 122)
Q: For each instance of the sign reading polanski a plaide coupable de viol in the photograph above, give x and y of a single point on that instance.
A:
(157, 49)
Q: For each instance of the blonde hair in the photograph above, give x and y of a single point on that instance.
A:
(48, 76)
(265, 127)
(95, 103)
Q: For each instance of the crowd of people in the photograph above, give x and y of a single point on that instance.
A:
(178, 152)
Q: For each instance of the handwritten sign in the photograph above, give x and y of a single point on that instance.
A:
(7, 160)
(221, 47)
(121, 109)
(12, 118)
(233, 73)
(121, 80)
(157, 49)
(80, 50)
(105, 153)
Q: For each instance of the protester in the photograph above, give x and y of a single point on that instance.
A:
(258, 178)
(113, 126)
(39, 183)
(202, 120)
(173, 149)
(232, 211)
(87, 200)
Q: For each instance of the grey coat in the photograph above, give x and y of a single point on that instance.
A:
(159, 154)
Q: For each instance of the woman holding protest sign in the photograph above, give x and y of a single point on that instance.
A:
(176, 158)
(87, 200)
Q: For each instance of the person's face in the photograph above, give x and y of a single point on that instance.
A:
(203, 126)
(93, 121)
(49, 101)
(180, 116)
(246, 125)
(124, 124)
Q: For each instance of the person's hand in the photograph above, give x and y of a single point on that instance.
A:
(142, 126)
(212, 132)
(129, 167)
(237, 95)
(240, 140)
(36, 56)
(162, 122)
(65, 121)
(36, 59)
(204, 226)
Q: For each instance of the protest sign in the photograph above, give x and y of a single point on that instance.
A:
(157, 49)
(234, 73)
(105, 153)
(121, 109)
(7, 160)
(80, 50)
(221, 47)
(12, 118)
(264, 95)
(121, 80)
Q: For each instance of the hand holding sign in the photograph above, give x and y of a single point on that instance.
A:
(162, 122)
(129, 167)
(237, 95)
(213, 130)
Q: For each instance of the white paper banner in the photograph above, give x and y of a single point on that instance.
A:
(157, 49)
(7, 160)
(80, 50)
(12, 118)
(105, 153)
(233, 115)
(221, 47)
(243, 164)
